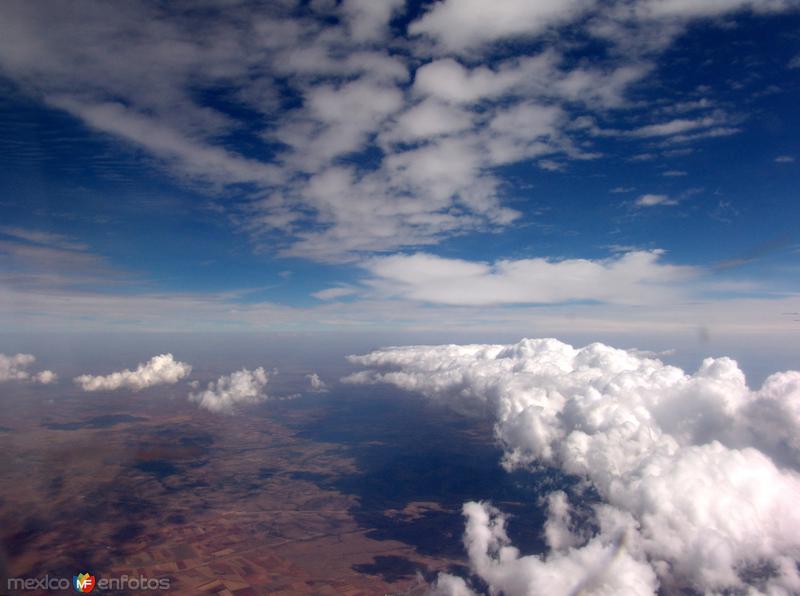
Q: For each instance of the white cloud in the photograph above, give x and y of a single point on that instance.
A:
(44, 238)
(242, 387)
(603, 566)
(333, 293)
(203, 162)
(651, 200)
(697, 472)
(317, 385)
(141, 74)
(673, 127)
(45, 377)
(15, 368)
(673, 173)
(711, 133)
(657, 9)
(794, 62)
(631, 278)
(368, 19)
(159, 370)
(459, 25)
(428, 119)
(784, 159)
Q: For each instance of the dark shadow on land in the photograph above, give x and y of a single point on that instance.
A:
(97, 422)
(111, 518)
(410, 451)
(392, 568)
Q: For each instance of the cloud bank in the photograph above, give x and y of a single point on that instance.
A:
(632, 278)
(15, 368)
(229, 391)
(697, 473)
(159, 370)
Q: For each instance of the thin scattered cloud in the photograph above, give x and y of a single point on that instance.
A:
(334, 293)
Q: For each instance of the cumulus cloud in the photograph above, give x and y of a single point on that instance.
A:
(159, 370)
(317, 385)
(697, 473)
(630, 278)
(15, 368)
(242, 387)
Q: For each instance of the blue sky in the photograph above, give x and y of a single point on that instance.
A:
(546, 167)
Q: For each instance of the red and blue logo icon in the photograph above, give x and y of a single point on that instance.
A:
(83, 582)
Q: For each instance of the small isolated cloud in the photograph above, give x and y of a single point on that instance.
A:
(630, 278)
(673, 173)
(15, 368)
(784, 159)
(696, 472)
(159, 370)
(230, 391)
(621, 189)
(333, 293)
(45, 377)
(794, 62)
(650, 200)
(317, 384)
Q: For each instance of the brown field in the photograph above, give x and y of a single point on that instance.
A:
(219, 505)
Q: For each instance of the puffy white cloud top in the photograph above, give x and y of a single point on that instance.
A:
(316, 384)
(697, 472)
(15, 368)
(159, 370)
(241, 387)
